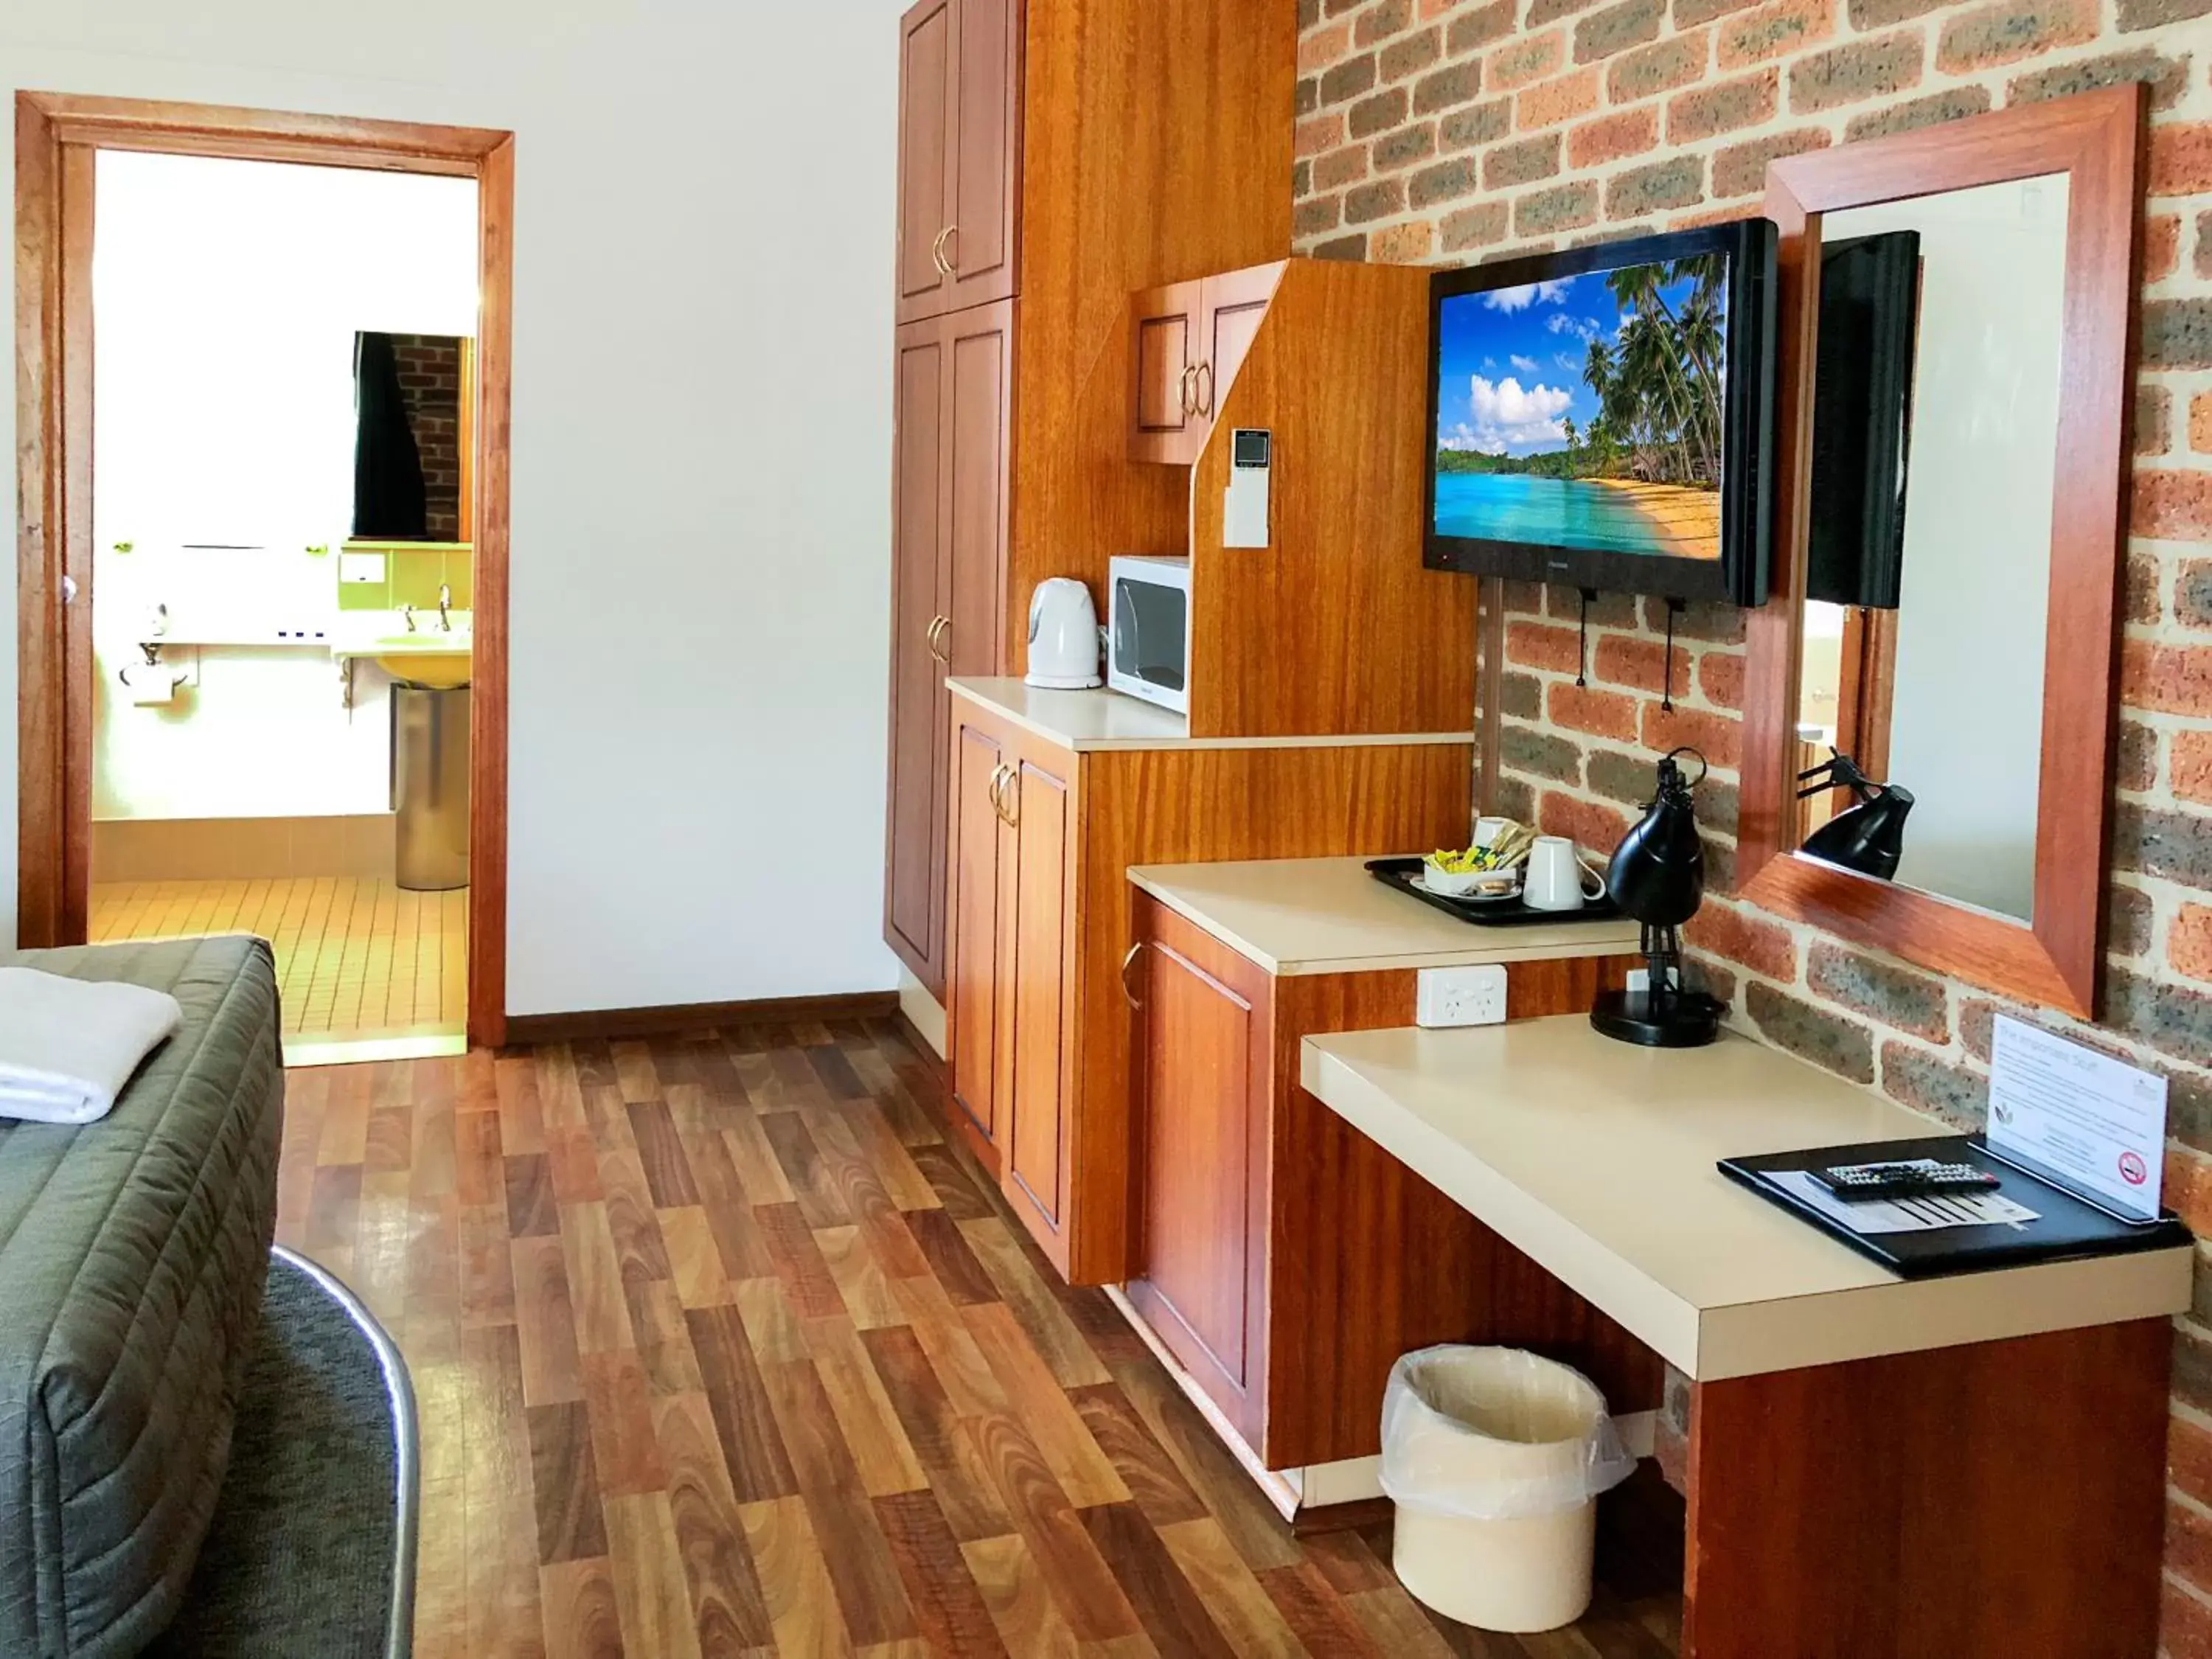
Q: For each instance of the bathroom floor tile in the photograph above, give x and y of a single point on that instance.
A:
(352, 957)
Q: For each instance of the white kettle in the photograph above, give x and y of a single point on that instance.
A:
(1063, 636)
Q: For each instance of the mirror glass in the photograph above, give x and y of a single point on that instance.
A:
(1935, 440)
(412, 393)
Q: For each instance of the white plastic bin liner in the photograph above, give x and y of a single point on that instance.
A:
(1495, 1459)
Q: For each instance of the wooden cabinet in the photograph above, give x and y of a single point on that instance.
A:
(959, 138)
(1039, 799)
(953, 390)
(914, 891)
(1284, 1260)
(1038, 1020)
(1011, 980)
(975, 1009)
(1006, 201)
(1190, 338)
(1202, 1076)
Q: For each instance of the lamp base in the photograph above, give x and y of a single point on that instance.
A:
(1685, 1019)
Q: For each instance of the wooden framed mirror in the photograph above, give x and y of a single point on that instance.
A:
(1948, 549)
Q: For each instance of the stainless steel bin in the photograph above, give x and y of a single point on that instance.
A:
(430, 786)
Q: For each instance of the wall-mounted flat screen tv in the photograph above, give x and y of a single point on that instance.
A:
(1862, 419)
(1603, 418)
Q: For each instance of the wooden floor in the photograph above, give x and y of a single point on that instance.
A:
(719, 1349)
(352, 957)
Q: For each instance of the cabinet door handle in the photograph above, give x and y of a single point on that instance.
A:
(1127, 963)
(937, 252)
(1184, 396)
(991, 792)
(939, 632)
(1203, 383)
(1010, 797)
(949, 239)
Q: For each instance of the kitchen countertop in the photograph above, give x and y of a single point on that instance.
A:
(1103, 720)
(1330, 916)
(1597, 1159)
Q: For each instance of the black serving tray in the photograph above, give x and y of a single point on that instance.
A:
(1483, 913)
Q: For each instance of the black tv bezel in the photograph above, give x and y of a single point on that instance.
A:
(1742, 573)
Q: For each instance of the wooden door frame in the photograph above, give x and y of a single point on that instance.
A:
(56, 137)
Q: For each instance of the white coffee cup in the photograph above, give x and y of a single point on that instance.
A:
(1556, 878)
(1488, 831)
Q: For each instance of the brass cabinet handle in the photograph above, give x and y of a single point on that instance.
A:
(937, 252)
(949, 239)
(1128, 962)
(1203, 383)
(1009, 795)
(940, 634)
(991, 792)
(1184, 395)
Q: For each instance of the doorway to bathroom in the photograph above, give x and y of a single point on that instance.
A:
(285, 338)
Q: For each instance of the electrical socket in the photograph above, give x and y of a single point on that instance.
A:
(1461, 996)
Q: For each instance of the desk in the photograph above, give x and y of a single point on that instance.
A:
(1878, 1468)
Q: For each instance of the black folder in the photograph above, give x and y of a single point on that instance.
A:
(2065, 1226)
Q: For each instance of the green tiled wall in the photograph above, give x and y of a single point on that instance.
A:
(413, 572)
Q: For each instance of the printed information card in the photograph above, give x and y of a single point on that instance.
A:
(2097, 1125)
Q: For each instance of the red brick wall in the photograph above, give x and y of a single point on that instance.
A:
(1446, 130)
(430, 380)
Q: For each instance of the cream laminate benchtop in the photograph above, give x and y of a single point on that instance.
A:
(1103, 719)
(1330, 916)
(1597, 1158)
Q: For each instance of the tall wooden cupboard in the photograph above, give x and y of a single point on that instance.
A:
(1054, 156)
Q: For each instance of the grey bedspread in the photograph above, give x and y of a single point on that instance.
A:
(132, 1256)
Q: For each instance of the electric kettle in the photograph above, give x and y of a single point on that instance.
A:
(1063, 636)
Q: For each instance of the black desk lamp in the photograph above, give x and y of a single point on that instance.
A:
(1658, 876)
(1867, 835)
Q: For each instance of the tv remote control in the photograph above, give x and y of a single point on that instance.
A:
(1917, 1177)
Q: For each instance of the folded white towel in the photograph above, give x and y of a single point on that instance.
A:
(68, 1046)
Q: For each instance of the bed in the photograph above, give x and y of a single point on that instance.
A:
(133, 1252)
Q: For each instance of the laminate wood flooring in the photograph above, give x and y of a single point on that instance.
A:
(720, 1348)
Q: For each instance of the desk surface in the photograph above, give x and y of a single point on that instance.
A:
(1597, 1158)
(1330, 916)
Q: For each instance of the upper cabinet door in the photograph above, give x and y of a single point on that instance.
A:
(1190, 340)
(984, 152)
(1235, 304)
(1166, 349)
(927, 52)
(921, 717)
(959, 138)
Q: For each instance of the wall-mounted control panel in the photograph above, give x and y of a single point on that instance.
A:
(1244, 504)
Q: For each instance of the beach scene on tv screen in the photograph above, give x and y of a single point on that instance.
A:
(1586, 411)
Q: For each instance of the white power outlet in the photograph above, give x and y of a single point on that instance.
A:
(1461, 996)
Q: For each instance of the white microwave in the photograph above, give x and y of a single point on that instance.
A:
(1148, 630)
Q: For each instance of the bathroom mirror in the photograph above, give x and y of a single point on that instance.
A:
(1930, 693)
(414, 437)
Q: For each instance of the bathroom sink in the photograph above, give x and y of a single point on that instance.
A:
(429, 655)
(440, 669)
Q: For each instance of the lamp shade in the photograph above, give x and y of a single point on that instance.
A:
(1868, 837)
(1658, 871)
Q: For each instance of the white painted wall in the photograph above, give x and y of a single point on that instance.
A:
(701, 436)
(225, 299)
(1967, 723)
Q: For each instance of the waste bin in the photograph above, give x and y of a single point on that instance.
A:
(1494, 1459)
(430, 786)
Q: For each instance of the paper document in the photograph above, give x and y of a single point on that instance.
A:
(1904, 1215)
(2096, 1124)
